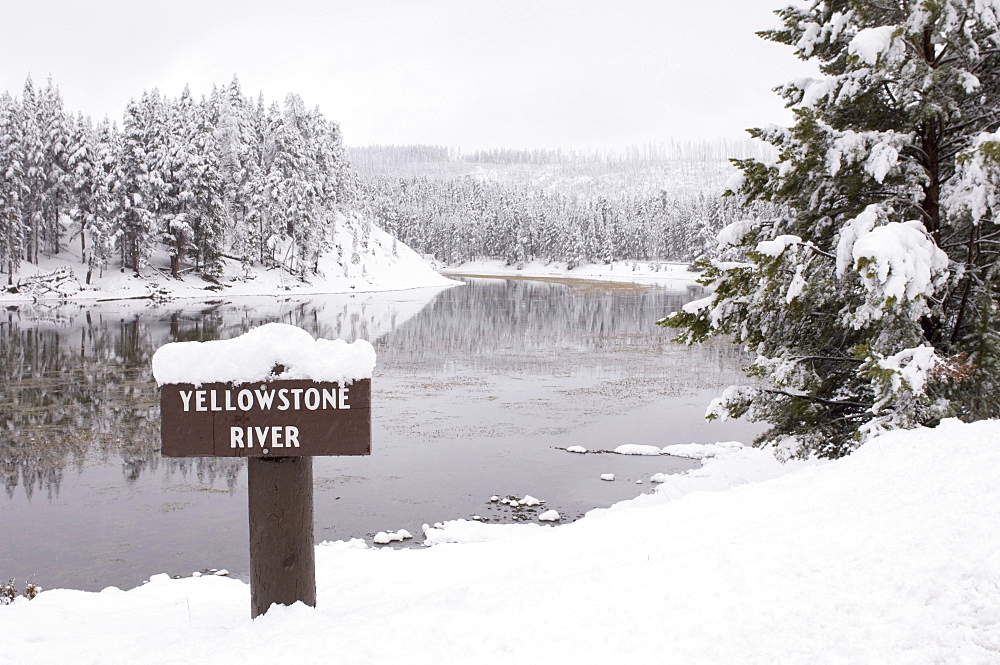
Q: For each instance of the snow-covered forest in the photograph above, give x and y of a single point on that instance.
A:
(652, 203)
(223, 176)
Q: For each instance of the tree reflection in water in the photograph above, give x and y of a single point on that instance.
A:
(77, 386)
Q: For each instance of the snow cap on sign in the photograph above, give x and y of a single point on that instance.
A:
(256, 354)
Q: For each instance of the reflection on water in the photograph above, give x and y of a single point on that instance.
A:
(475, 388)
(490, 317)
(69, 393)
(76, 380)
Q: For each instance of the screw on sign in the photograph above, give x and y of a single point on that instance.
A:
(278, 397)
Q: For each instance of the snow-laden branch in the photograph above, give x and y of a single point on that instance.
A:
(897, 262)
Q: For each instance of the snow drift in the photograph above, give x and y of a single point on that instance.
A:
(888, 555)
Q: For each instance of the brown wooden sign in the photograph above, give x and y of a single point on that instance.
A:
(287, 418)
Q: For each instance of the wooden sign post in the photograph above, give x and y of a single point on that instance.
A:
(279, 426)
(282, 550)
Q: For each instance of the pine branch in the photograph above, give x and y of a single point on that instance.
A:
(963, 302)
(888, 91)
(843, 359)
(984, 61)
(818, 400)
(819, 251)
(952, 129)
(939, 59)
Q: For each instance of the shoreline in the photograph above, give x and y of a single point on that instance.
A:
(642, 273)
(56, 279)
(155, 286)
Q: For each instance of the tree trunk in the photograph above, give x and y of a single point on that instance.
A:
(56, 231)
(930, 144)
(931, 135)
(175, 265)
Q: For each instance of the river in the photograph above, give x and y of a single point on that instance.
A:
(477, 391)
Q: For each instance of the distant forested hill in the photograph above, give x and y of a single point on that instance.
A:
(645, 203)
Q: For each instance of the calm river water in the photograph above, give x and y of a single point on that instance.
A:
(476, 389)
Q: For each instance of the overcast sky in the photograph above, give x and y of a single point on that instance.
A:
(461, 73)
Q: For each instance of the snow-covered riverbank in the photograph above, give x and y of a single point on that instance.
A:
(888, 555)
(384, 264)
(637, 272)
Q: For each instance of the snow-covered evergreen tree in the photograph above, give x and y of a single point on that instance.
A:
(108, 203)
(177, 161)
(34, 170)
(13, 186)
(56, 132)
(85, 179)
(231, 115)
(136, 223)
(205, 183)
(191, 213)
(871, 303)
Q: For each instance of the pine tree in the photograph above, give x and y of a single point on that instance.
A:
(56, 132)
(13, 187)
(143, 157)
(250, 240)
(83, 169)
(178, 164)
(205, 185)
(108, 198)
(34, 170)
(238, 147)
(869, 303)
(93, 166)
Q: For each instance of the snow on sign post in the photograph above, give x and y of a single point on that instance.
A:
(277, 397)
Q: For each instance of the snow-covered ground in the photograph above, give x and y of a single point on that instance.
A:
(886, 556)
(637, 272)
(384, 264)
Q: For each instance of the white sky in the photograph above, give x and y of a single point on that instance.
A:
(461, 73)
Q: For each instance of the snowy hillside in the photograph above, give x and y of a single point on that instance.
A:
(888, 555)
(376, 262)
